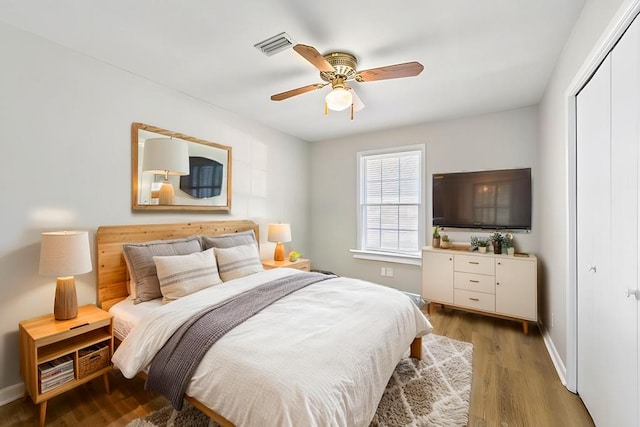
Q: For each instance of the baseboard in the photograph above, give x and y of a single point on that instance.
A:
(553, 353)
(11, 393)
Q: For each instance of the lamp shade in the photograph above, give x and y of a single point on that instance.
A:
(166, 156)
(339, 99)
(65, 253)
(279, 233)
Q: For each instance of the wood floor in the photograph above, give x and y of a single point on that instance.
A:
(514, 384)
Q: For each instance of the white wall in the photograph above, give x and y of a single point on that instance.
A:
(494, 141)
(552, 191)
(65, 161)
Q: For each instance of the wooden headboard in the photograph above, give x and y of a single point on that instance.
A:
(112, 268)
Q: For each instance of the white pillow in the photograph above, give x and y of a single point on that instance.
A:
(238, 261)
(182, 275)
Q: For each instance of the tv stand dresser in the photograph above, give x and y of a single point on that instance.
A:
(494, 285)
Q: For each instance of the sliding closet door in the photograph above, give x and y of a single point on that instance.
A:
(608, 117)
(593, 231)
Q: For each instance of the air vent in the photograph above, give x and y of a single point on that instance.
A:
(275, 44)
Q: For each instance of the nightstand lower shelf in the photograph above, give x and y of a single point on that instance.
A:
(57, 356)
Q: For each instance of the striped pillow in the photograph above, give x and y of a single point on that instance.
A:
(238, 261)
(183, 275)
(142, 269)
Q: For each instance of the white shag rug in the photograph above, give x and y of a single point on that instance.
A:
(434, 391)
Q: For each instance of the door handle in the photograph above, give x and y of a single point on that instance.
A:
(593, 268)
(474, 299)
(633, 292)
(474, 281)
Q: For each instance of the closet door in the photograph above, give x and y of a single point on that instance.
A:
(608, 116)
(622, 321)
(593, 234)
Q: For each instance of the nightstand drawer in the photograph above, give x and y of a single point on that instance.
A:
(474, 282)
(474, 264)
(476, 300)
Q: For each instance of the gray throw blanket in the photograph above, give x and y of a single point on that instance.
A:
(174, 365)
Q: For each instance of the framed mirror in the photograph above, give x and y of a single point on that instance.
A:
(175, 172)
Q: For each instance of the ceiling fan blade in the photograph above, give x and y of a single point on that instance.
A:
(408, 69)
(298, 91)
(312, 55)
(357, 102)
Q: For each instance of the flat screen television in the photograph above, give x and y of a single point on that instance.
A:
(496, 199)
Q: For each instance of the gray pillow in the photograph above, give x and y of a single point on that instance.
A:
(229, 240)
(142, 269)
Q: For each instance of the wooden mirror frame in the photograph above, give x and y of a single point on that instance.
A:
(136, 174)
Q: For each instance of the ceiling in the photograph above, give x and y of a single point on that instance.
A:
(478, 56)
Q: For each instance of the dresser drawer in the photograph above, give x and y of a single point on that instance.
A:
(474, 282)
(476, 300)
(474, 264)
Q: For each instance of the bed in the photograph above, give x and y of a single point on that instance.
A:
(320, 356)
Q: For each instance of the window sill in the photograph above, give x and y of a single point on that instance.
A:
(387, 257)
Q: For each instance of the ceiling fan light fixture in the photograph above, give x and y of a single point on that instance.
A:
(339, 99)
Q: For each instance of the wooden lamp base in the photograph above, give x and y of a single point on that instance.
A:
(66, 302)
(166, 194)
(278, 254)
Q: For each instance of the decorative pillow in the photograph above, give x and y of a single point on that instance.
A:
(182, 275)
(131, 285)
(229, 240)
(139, 258)
(238, 261)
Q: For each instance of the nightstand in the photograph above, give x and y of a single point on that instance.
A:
(300, 264)
(58, 355)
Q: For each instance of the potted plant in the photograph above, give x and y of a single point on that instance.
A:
(435, 242)
(445, 243)
(507, 244)
(482, 243)
(496, 240)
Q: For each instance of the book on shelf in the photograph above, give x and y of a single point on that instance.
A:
(56, 367)
(55, 382)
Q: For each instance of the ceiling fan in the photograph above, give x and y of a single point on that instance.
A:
(338, 68)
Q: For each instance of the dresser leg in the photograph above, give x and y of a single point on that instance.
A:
(43, 412)
(105, 377)
(525, 327)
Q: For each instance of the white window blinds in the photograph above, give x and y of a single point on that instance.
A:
(390, 201)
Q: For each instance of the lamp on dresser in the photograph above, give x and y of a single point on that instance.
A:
(168, 157)
(64, 254)
(279, 233)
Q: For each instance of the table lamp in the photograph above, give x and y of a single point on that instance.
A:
(64, 254)
(166, 156)
(279, 233)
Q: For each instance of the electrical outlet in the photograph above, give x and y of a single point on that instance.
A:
(383, 271)
(389, 272)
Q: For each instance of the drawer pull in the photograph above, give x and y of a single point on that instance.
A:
(474, 262)
(474, 299)
(474, 281)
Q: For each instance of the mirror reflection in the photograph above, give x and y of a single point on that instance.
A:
(173, 171)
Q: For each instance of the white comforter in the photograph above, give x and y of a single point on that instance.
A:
(318, 357)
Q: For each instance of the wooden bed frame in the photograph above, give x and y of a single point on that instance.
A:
(113, 275)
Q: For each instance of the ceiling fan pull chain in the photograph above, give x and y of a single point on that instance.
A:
(326, 109)
(352, 111)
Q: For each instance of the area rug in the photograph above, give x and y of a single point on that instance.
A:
(434, 391)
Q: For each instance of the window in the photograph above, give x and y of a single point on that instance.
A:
(390, 209)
